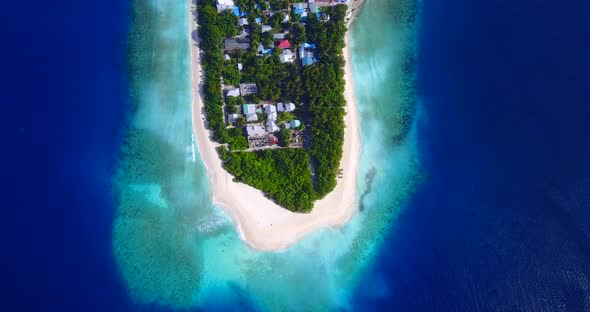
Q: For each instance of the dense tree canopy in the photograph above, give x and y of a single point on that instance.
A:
(282, 174)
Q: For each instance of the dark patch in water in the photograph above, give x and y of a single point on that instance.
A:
(369, 180)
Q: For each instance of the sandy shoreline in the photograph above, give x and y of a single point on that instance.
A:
(260, 222)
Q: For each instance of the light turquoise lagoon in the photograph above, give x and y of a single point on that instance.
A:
(174, 248)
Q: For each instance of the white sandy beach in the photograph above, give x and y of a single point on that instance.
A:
(261, 223)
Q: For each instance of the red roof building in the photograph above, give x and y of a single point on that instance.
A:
(272, 140)
(284, 44)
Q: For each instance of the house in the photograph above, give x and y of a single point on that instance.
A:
(299, 8)
(262, 50)
(251, 117)
(255, 130)
(258, 20)
(289, 107)
(236, 44)
(306, 45)
(284, 44)
(286, 56)
(226, 57)
(271, 112)
(238, 13)
(271, 126)
(248, 88)
(223, 5)
(231, 118)
(240, 66)
(242, 21)
(249, 109)
(243, 34)
(279, 36)
(270, 109)
(285, 18)
(294, 123)
(272, 116)
(272, 140)
(308, 58)
(265, 28)
(233, 92)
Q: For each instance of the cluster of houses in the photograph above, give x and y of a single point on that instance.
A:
(260, 121)
(241, 42)
(244, 89)
(261, 130)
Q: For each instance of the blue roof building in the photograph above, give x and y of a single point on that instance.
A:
(300, 8)
(294, 123)
(307, 60)
(258, 20)
(249, 109)
(262, 50)
(238, 13)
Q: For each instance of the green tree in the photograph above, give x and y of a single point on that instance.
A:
(298, 34)
(284, 137)
(231, 74)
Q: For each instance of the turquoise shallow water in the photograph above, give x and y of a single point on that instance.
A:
(174, 248)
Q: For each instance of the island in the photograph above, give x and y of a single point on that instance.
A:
(273, 107)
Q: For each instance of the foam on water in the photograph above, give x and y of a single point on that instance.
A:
(173, 247)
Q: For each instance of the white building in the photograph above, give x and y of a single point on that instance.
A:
(271, 126)
(240, 66)
(251, 117)
(287, 56)
(265, 28)
(268, 109)
(272, 116)
(255, 130)
(242, 21)
(233, 92)
(280, 107)
(226, 57)
(289, 107)
(223, 5)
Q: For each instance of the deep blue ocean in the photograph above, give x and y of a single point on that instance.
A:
(502, 223)
(67, 82)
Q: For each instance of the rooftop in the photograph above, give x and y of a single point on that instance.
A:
(236, 44)
(233, 92)
(255, 130)
(248, 88)
(271, 126)
(284, 44)
(249, 108)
